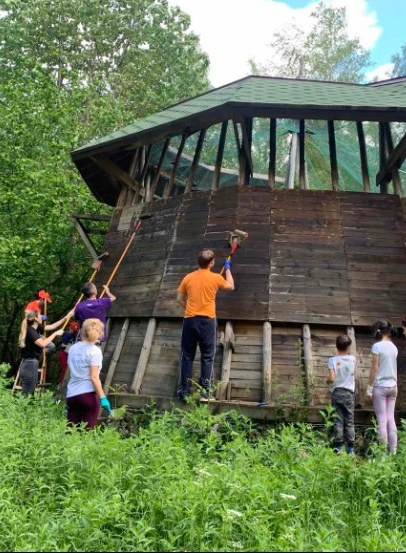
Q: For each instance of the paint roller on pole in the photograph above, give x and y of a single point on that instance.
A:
(235, 238)
(137, 227)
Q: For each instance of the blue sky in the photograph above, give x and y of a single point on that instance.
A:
(392, 17)
(233, 31)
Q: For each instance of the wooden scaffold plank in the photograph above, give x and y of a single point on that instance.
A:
(116, 355)
(308, 363)
(144, 356)
(267, 362)
(228, 348)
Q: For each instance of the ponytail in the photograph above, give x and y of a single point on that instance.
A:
(383, 327)
(28, 320)
(92, 330)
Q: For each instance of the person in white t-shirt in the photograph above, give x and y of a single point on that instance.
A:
(341, 376)
(85, 394)
(382, 382)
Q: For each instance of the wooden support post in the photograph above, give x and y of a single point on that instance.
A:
(195, 162)
(107, 333)
(133, 165)
(272, 153)
(363, 156)
(382, 157)
(219, 158)
(267, 363)
(146, 165)
(353, 351)
(246, 127)
(395, 159)
(397, 183)
(155, 180)
(290, 177)
(302, 175)
(308, 363)
(333, 156)
(144, 356)
(116, 355)
(171, 182)
(226, 364)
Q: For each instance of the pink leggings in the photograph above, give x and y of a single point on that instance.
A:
(384, 405)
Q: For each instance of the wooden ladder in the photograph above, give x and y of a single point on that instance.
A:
(41, 384)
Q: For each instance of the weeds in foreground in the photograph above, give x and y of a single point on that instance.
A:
(190, 481)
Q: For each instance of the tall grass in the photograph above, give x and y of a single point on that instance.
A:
(189, 482)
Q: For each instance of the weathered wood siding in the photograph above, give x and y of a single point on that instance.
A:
(313, 257)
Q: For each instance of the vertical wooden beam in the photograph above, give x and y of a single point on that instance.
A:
(219, 158)
(382, 156)
(133, 164)
(308, 363)
(146, 165)
(267, 362)
(169, 186)
(246, 127)
(228, 347)
(353, 351)
(363, 156)
(144, 356)
(272, 153)
(302, 176)
(107, 333)
(240, 155)
(291, 172)
(116, 355)
(195, 162)
(155, 180)
(397, 183)
(333, 155)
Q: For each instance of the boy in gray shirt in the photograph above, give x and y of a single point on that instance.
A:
(341, 376)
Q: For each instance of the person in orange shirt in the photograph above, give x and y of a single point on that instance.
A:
(37, 304)
(197, 296)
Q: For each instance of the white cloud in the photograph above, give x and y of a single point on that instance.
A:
(232, 31)
(379, 73)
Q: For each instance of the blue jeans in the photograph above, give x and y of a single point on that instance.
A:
(203, 331)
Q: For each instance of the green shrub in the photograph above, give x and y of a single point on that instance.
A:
(189, 481)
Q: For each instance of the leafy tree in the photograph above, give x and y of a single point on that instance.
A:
(72, 71)
(324, 53)
(399, 63)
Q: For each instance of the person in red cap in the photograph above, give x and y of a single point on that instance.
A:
(69, 337)
(37, 304)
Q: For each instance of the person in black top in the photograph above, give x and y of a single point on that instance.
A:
(32, 343)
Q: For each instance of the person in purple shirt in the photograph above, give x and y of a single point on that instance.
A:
(92, 307)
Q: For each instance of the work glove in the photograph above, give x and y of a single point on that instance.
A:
(369, 391)
(105, 404)
(44, 318)
(227, 265)
(59, 332)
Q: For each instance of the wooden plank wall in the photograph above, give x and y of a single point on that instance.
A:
(374, 234)
(246, 363)
(287, 383)
(308, 275)
(314, 257)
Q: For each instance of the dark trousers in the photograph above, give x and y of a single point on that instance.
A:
(203, 331)
(343, 430)
(83, 408)
(29, 375)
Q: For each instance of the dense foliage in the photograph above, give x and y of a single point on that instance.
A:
(190, 482)
(73, 71)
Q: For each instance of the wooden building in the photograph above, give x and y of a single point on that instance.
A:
(313, 172)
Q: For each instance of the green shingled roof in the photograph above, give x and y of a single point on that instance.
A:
(268, 92)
